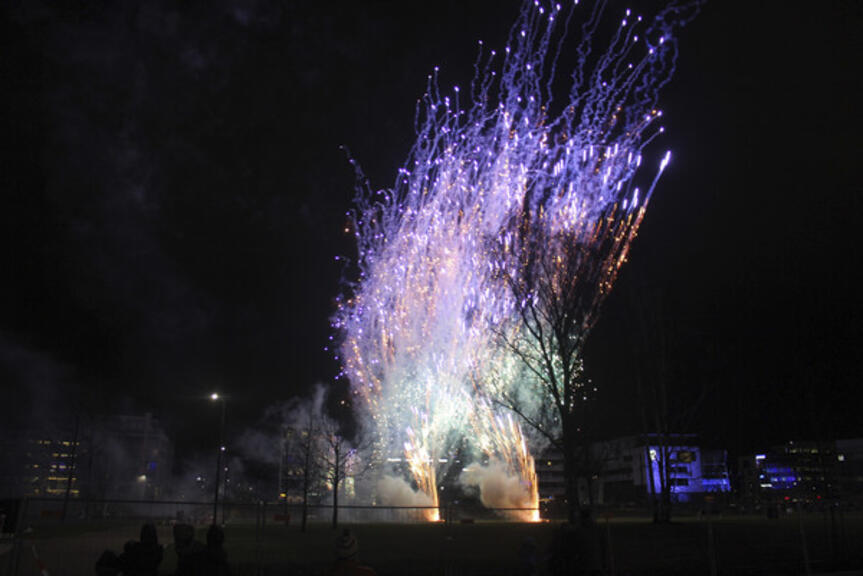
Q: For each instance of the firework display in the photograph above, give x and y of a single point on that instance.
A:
(497, 169)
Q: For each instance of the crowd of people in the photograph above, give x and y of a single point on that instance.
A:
(142, 557)
(574, 550)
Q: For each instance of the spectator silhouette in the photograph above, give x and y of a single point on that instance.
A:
(214, 559)
(189, 551)
(347, 557)
(108, 564)
(142, 558)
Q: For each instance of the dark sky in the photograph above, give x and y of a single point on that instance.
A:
(173, 197)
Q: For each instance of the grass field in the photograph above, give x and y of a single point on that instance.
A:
(742, 545)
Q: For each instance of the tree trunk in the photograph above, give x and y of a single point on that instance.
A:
(307, 472)
(336, 502)
(571, 483)
(336, 481)
(570, 472)
(665, 475)
(652, 500)
(590, 468)
(305, 513)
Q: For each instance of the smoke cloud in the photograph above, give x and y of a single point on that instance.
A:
(393, 491)
(497, 487)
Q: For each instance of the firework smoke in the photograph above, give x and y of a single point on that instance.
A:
(395, 491)
(497, 169)
(501, 490)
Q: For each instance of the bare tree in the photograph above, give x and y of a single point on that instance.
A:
(303, 447)
(336, 459)
(317, 453)
(557, 281)
(662, 418)
(305, 422)
(340, 459)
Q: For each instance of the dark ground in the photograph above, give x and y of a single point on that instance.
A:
(743, 545)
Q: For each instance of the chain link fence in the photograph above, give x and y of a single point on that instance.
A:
(50, 536)
(70, 535)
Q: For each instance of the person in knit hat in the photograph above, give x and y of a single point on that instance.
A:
(347, 557)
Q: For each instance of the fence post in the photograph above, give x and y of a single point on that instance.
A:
(258, 521)
(711, 545)
(610, 547)
(260, 518)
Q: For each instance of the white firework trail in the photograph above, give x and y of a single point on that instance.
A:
(496, 166)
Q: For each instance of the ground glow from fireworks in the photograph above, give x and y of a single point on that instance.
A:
(495, 168)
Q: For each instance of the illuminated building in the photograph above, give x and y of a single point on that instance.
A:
(38, 463)
(628, 470)
(802, 471)
(632, 468)
(114, 456)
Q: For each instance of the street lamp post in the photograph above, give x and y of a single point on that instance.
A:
(215, 398)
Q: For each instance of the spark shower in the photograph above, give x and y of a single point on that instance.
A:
(526, 153)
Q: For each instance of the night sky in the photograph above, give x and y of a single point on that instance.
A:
(174, 196)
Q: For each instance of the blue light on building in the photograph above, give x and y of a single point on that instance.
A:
(690, 470)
